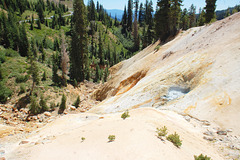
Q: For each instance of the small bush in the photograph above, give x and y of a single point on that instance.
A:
(75, 84)
(125, 115)
(4, 93)
(162, 132)
(43, 104)
(44, 77)
(34, 107)
(83, 138)
(63, 104)
(22, 89)
(202, 157)
(111, 138)
(21, 78)
(157, 48)
(2, 58)
(77, 102)
(11, 53)
(175, 139)
(52, 106)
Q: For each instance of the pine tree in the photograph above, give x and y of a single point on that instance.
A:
(79, 41)
(210, 10)
(34, 70)
(141, 15)
(40, 13)
(32, 22)
(185, 20)
(129, 15)
(135, 31)
(77, 102)
(192, 16)
(55, 77)
(39, 24)
(100, 49)
(97, 74)
(162, 18)
(175, 16)
(65, 60)
(124, 20)
(23, 42)
(63, 104)
(201, 19)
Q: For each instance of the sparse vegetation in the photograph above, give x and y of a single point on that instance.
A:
(77, 102)
(125, 115)
(63, 104)
(22, 89)
(34, 107)
(162, 132)
(201, 157)
(83, 139)
(157, 48)
(111, 138)
(175, 139)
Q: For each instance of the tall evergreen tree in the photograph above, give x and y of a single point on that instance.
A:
(141, 15)
(162, 18)
(135, 31)
(175, 16)
(185, 19)
(124, 20)
(129, 15)
(40, 13)
(192, 16)
(79, 41)
(100, 49)
(34, 70)
(23, 42)
(210, 10)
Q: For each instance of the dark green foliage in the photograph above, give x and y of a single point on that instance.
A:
(91, 11)
(129, 15)
(11, 53)
(210, 10)
(5, 92)
(55, 77)
(21, 78)
(2, 57)
(77, 102)
(39, 24)
(75, 83)
(43, 104)
(44, 77)
(79, 41)
(34, 107)
(22, 89)
(175, 139)
(63, 104)
(40, 11)
(23, 42)
(34, 71)
(192, 16)
(100, 50)
(201, 157)
(97, 74)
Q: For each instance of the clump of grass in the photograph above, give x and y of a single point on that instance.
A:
(162, 132)
(202, 157)
(175, 139)
(125, 115)
(157, 48)
(111, 138)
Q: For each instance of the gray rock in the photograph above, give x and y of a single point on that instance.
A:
(187, 118)
(222, 133)
(208, 133)
(23, 142)
(208, 138)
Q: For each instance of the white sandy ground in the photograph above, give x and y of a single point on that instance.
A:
(135, 138)
(205, 59)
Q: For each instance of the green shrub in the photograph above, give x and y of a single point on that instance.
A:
(125, 115)
(175, 139)
(2, 58)
(22, 89)
(157, 48)
(11, 53)
(21, 78)
(162, 132)
(34, 107)
(75, 84)
(52, 106)
(83, 138)
(202, 157)
(44, 77)
(77, 102)
(4, 92)
(63, 104)
(43, 104)
(111, 138)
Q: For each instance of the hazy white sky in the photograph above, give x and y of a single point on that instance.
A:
(119, 4)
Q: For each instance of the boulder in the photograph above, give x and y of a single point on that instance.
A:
(222, 133)
(48, 114)
(73, 108)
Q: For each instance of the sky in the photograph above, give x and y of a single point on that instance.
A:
(119, 4)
